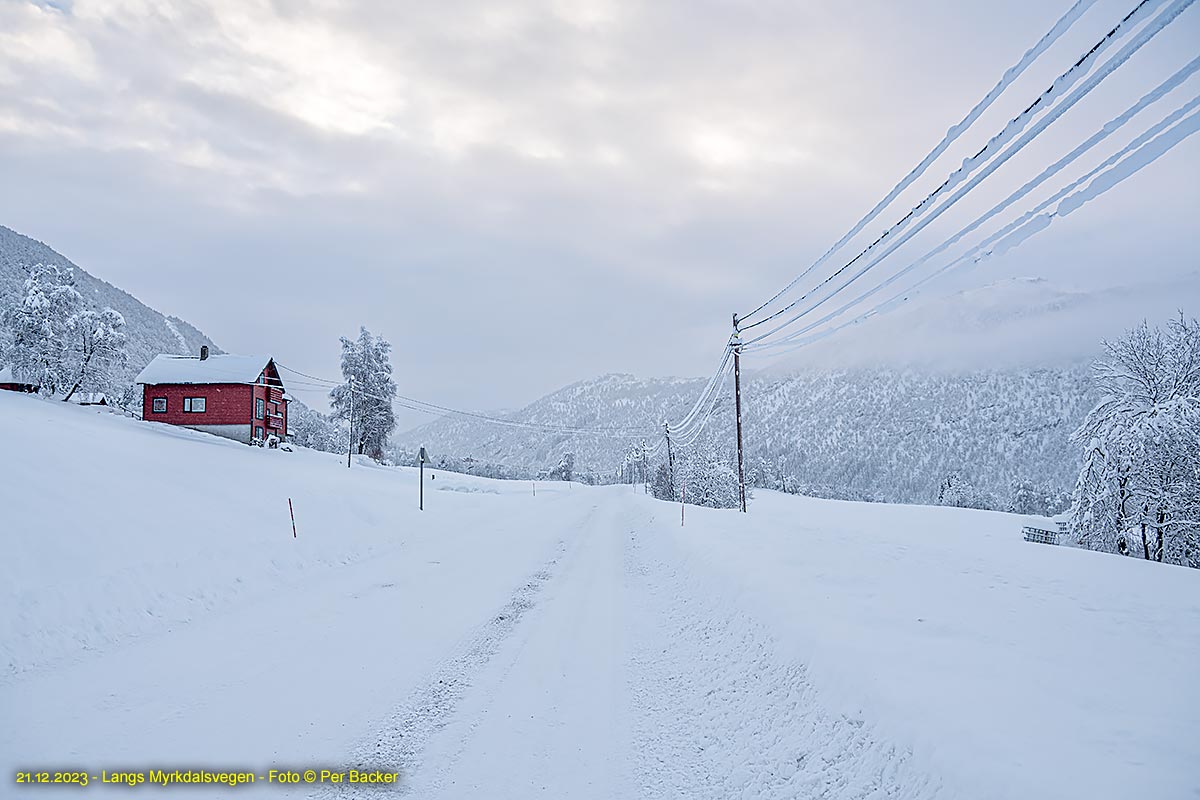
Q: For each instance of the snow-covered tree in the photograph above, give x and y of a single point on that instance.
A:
(633, 468)
(565, 470)
(1100, 507)
(97, 351)
(710, 473)
(367, 368)
(42, 327)
(1139, 487)
(956, 490)
(309, 428)
(1170, 488)
(1029, 497)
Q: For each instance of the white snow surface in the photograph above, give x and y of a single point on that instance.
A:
(156, 611)
(222, 368)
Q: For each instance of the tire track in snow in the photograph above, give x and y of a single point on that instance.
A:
(402, 739)
(555, 693)
(723, 715)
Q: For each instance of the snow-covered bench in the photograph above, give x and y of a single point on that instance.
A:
(1039, 535)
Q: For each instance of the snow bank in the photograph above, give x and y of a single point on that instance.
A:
(116, 529)
(1013, 670)
(155, 609)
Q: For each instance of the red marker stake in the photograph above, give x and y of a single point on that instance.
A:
(293, 515)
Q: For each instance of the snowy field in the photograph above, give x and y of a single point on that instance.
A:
(156, 611)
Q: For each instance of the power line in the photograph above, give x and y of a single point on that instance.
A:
(722, 370)
(1138, 154)
(306, 375)
(1110, 66)
(1011, 74)
(1012, 128)
(687, 431)
(1108, 129)
(690, 439)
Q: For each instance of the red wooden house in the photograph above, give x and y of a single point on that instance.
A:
(238, 397)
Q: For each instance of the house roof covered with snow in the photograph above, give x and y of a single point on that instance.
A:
(6, 376)
(214, 369)
(89, 398)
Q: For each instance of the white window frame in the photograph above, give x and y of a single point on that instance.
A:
(260, 408)
(190, 405)
(154, 409)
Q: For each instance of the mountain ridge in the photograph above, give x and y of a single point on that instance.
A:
(149, 331)
(873, 434)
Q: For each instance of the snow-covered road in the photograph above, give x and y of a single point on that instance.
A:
(547, 714)
(612, 674)
(292, 679)
(576, 644)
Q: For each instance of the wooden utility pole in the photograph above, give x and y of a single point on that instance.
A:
(350, 434)
(645, 470)
(422, 458)
(737, 402)
(670, 457)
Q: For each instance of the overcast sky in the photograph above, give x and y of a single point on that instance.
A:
(523, 194)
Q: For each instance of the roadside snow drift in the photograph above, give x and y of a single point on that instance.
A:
(156, 612)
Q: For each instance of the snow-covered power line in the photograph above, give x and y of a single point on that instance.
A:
(306, 375)
(680, 426)
(686, 432)
(983, 156)
(1004, 137)
(690, 438)
(1138, 154)
(1105, 131)
(414, 404)
(952, 135)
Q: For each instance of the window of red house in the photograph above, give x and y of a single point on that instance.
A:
(159, 405)
(259, 408)
(193, 405)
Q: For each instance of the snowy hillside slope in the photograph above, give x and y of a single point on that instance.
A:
(134, 528)
(156, 611)
(896, 435)
(986, 382)
(1001, 664)
(149, 331)
(881, 434)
